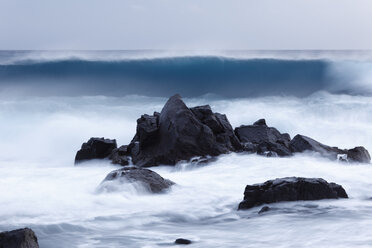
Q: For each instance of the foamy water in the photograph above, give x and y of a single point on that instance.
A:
(41, 188)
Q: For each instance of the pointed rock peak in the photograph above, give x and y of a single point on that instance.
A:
(260, 122)
(174, 103)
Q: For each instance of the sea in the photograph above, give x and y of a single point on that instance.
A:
(53, 101)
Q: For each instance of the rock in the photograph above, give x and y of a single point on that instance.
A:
(120, 156)
(266, 139)
(358, 154)
(290, 189)
(95, 148)
(180, 133)
(260, 122)
(20, 238)
(250, 147)
(182, 241)
(301, 143)
(149, 179)
(264, 209)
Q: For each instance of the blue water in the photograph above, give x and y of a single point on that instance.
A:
(238, 74)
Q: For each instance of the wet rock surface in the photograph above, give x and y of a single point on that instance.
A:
(180, 133)
(301, 143)
(149, 179)
(261, 138)
(95, 148)
(290, 189)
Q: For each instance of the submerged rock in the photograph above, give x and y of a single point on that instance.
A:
(264, 209)
(180, 133)
(290, 189)
(149, 179)
(263, 139)
(182, 241)
(20, 238)
(301, 143)
(95, 148)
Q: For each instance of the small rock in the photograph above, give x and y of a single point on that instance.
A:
(182, 241)
(20, 238)
(264, 138)
(264, 209)
(290, 189)
(120, 156)
(260, 122)
(301, 143)
(148, 178)
(95, 148)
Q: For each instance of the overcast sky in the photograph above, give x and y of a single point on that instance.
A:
(185, 24)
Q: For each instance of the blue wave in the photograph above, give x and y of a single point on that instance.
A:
(189, 76)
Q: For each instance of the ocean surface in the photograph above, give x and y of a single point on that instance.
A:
(53, 101)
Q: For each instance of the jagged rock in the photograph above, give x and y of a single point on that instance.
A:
(260, 122)
(149, 179)
(182, 241)
(301, 143)
(95, 148)
(120, 156)
(179, 133)
(20, 238)
(290, 189)
(266, 139)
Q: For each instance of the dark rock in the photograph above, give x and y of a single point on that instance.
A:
(147, 129)
(264, 209)
(148, 178)
(358, 154)
(260, 122)
(179, 133)
(290, 189)
(120, 156)
(95, 148)
(301, 143)
(265, 138)
(182, 241)
(250, 147)
(20, 238)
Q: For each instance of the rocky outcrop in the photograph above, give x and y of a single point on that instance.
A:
(301, 143)
(148, 179)
(290, 189)
(180, 133)
(95, 148)
(263, 139)
(20, 238)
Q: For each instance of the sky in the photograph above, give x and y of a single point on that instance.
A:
(185, 24)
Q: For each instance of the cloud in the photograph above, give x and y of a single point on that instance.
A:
(185, 24)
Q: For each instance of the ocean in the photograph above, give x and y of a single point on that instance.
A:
(53, 101)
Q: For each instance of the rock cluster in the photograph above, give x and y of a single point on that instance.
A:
(180, 133)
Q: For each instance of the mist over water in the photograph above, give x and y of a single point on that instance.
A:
(42, 189)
